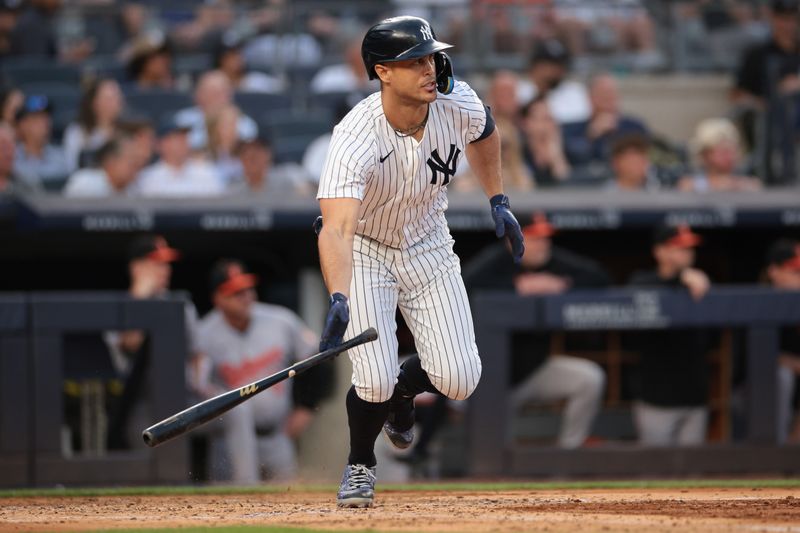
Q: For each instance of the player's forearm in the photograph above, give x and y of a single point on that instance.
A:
(484, 159)
(336, 259)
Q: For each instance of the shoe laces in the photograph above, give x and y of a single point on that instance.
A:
(359, 475)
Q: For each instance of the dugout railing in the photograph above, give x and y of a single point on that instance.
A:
(33, 329)
(759, 312)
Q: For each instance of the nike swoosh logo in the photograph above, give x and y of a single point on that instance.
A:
(387, 155)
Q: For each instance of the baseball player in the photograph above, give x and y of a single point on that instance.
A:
(385, 242)
(246, 340)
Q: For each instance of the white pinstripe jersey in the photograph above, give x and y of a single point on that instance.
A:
(402, 183)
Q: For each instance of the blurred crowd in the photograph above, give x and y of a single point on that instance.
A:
(233, 98)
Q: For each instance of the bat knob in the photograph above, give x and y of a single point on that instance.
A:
(292, 373)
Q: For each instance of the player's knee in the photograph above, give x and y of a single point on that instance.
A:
(593, 379)
(375, 394)
(463, 382)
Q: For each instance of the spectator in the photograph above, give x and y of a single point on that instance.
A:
(117, 171)
(175, 174)
(136, 22)
(100, 108)
(783, 273)
(717, 150)
(37, 162)
(223, 140)
(672, 387)
(588, 142)
(8, 20)
(346, 77)
(543, 149)
(631, 167)
(262, 177)
(212, 18)
(246, 340)
(549, 67)
(9, 182)
(229, 60)
(149, 63)
(11, 100)
(150, 261)
(536, 374)
(773, 67)
(213, 93)
(143, 138)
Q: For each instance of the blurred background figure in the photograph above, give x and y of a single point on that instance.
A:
(149, 63)
(350, 76)
(631, 168)
(37, 161)
(213, 94)
(223, 142)
(543, 147)
(246, 340)
(142, 134)
(587, 143)
(716, 148)
(114, 176)
(547, 77)
(538, 375)
(176, 173)
(783, 273)
(229, 59)
(260, 175)
(672, 386)
(9, 182)
(100, 108)
(150, 260)
(11, 100)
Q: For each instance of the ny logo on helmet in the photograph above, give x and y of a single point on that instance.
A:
(447, 168)
(426, 32)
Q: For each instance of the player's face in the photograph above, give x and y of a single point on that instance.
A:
(675, 257)
(413, 79)
(236, 305)
(784, 278)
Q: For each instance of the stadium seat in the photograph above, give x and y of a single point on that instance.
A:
(157, 103)
(255, 105)
(290, 149)
(296, 124)
(28, 72)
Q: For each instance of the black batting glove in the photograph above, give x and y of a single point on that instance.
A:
(335, 323)
(506, 225)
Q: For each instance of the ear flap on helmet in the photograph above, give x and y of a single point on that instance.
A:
(444, 73)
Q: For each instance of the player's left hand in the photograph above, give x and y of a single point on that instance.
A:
(505, 224)
(335, 323)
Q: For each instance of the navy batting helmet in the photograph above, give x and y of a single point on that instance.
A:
(401, 38)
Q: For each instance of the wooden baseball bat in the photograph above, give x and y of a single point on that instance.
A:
(199, 414)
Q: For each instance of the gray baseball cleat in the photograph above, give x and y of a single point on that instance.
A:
(358, 487)
(399, 439)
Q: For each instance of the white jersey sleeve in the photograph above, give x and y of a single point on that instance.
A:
(470, 106)
(347, 165)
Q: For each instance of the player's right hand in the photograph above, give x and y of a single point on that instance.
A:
(335, 323)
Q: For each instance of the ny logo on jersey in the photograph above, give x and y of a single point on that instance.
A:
(426, 32)
(448, 168)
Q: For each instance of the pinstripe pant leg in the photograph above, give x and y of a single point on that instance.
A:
(438, 314)
(373, 302)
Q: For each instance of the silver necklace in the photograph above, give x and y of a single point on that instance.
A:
(413, 129)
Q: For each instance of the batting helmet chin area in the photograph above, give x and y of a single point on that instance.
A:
(401, 38)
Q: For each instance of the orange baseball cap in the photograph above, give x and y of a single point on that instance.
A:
(681, 236)
(229, 276)
(539, 227)
(153, 247)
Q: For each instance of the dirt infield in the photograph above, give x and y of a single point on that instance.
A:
(586, 510)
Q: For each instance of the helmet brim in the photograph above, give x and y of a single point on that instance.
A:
(421, 50)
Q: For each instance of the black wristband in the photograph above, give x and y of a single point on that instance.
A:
(338, 297)
(499, 199)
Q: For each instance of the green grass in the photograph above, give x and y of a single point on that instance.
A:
(443, 487)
